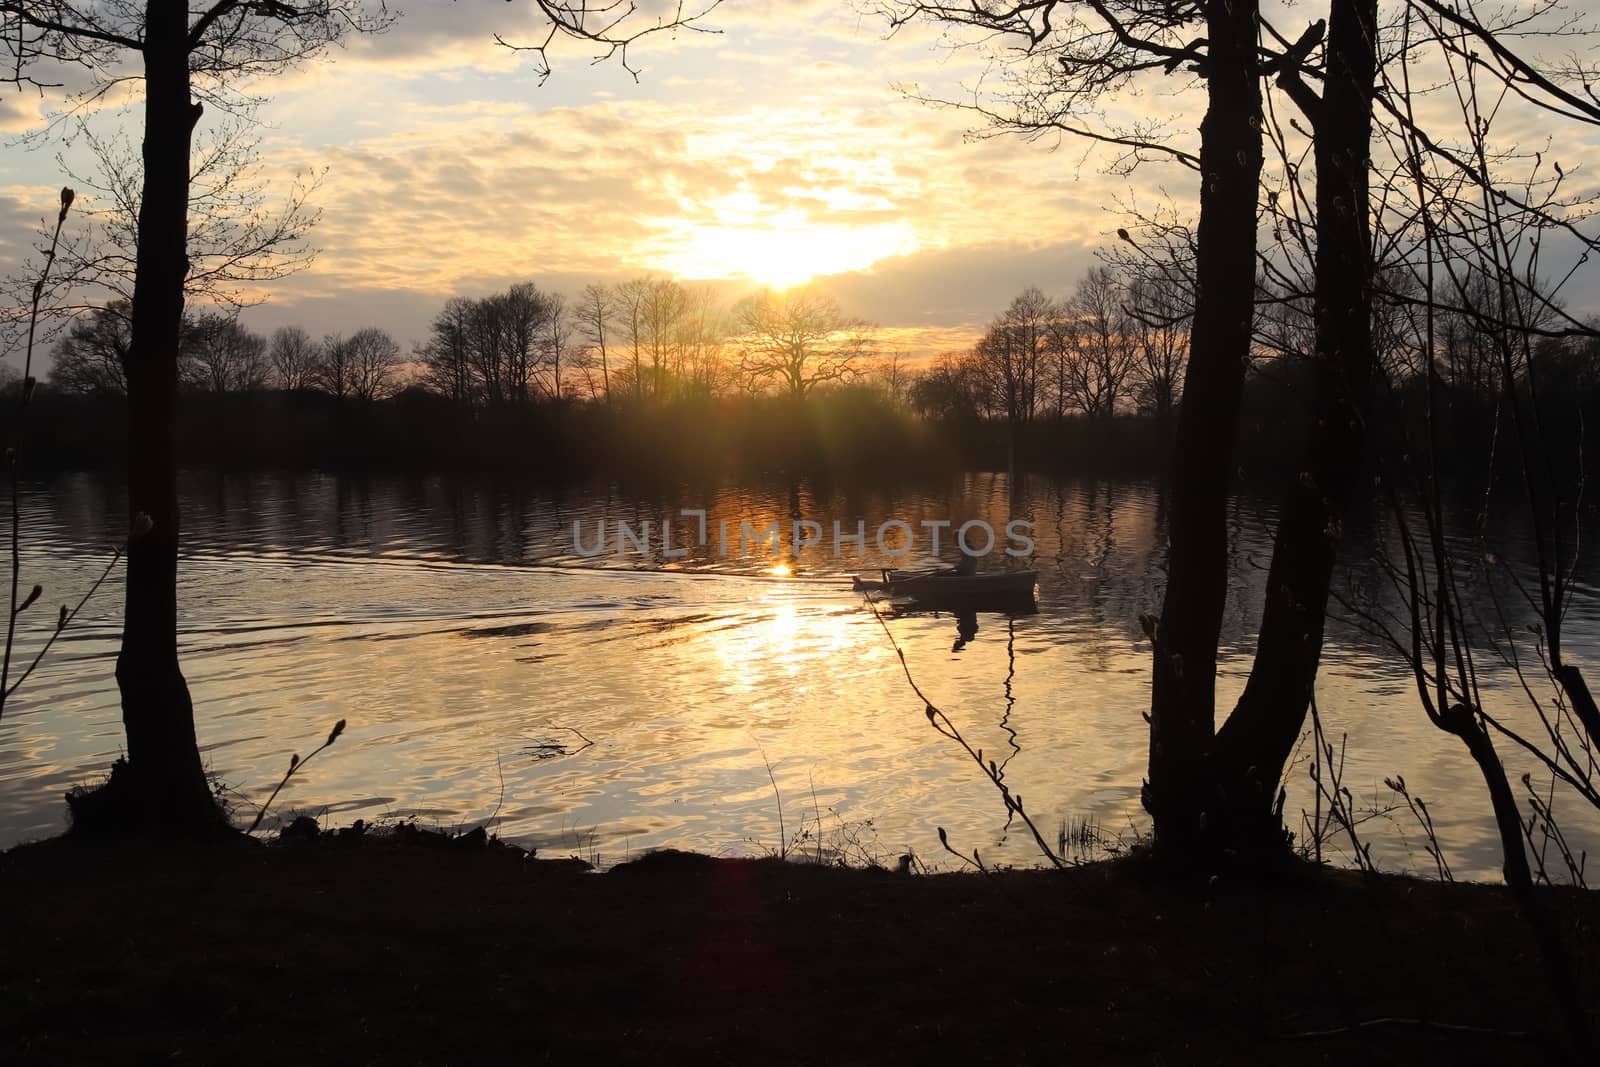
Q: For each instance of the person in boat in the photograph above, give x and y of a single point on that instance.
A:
(965, 562)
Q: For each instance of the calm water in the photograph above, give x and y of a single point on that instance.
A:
(469, 646)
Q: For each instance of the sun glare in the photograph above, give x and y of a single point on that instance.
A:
(780, 250)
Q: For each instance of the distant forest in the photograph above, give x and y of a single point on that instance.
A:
(652, 378)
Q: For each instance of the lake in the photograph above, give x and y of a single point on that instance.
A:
(601, 706)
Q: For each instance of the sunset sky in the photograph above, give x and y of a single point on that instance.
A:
(775, 151)
(772, 152)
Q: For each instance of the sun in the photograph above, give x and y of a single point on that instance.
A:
(778, 249)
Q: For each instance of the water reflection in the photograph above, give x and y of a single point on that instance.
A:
(455, 626)
(966, 629)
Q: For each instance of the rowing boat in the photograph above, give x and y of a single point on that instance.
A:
(946, 583)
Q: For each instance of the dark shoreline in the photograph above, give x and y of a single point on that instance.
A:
(389, 952)
(851, 437)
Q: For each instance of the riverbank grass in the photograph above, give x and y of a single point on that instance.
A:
(454, 951)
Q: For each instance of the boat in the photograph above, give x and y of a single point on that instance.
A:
(946, 584)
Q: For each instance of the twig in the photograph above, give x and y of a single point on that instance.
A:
(586, 742)
(501, 799)
(783, 834)
(1425, 819)
(64, 621)
(295, 763)
(598, 22)
(816, 810)
(975, 861)
(1389, 1022)
(1337, 795)
(1545, 819)
(13, 460)
(543, 750)
(941, 722)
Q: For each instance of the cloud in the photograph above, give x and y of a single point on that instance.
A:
(963, 286)
(778, 144)
(24, 210)
(20, 113)
(475, 189)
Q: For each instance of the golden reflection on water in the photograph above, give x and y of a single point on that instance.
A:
(407, 607)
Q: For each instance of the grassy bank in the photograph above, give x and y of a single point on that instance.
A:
(399, 954)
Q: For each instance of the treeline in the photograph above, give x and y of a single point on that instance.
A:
(652, 375)
(1117, 344)
(647, 339)
(840, 432)
(646, 376)
(218, 355)
(854, 430)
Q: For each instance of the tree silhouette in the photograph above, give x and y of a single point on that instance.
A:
(1100, 345)
(91, 358)
(799, 339)
(293, 355)
(373, 358)
(224, 357)
(594, 312)
(1010, 354)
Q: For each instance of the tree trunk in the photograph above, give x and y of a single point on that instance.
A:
(1461, 721)
(168, 786)
(1182, 709)
(1258, 738)
(1011, 452)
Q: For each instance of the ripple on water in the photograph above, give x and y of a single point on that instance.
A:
(455, 630)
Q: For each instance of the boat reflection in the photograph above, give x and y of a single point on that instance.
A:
(967, 628)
